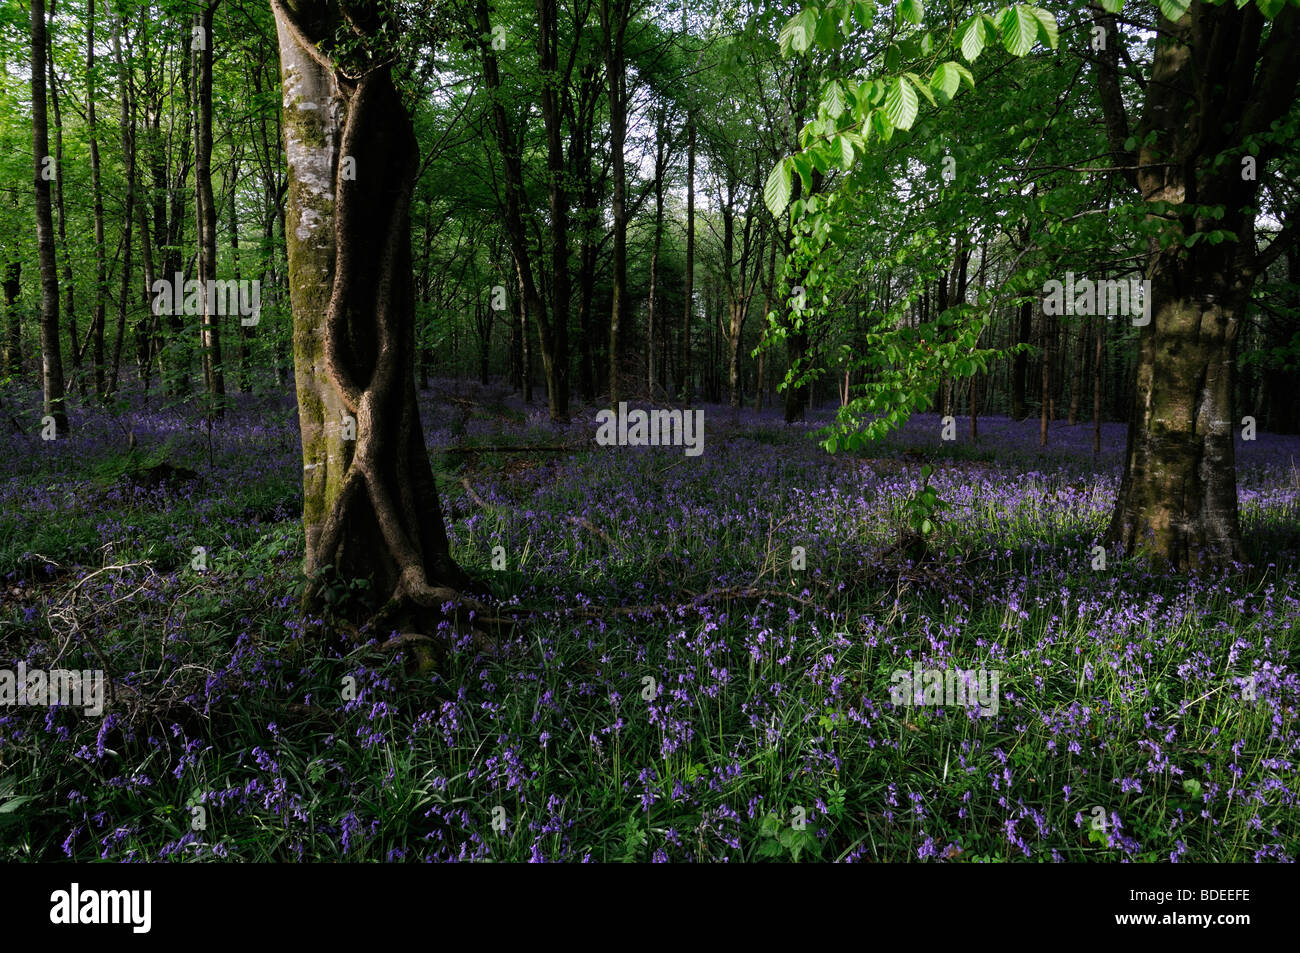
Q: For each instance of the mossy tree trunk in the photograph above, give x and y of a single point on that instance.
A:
(1220, 79)
(371, 507)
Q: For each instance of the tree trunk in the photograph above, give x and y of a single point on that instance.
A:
(243, 339)
(1076, 373)
(688, 293)
(69, 285)
(13, 354)
(1020, 364)
(1217, 86)
(206, 214)
(127, 123)
(554, 364)
(98, 312)
(1097, 366)
(661, 164)
(614, 16)
(51, 356)
(1044, 410)
(370, 504)
(547, 56)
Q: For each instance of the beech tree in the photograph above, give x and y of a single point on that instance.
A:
(370, 505)
(1223, 75)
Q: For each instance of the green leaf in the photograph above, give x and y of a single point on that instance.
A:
(882, 126)
(865, 14)
(846, 152)
(803, 163)
(834, 99)
(1173, 10)
(828, 34)
(966, 74)
(893, 58)
(1019, 28)
(798, 32)
(1047, 30)
(900, 103)
(1271, 8)
(912, 11)
(946, 80)
(777, 190)
(14, 803)
(921, 87)
(972, 38)
(1112, 6)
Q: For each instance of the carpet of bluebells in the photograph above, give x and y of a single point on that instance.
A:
(685, 689)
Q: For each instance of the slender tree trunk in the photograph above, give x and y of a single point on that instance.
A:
(614, 16)
(1098, 363)
(553, 363)
(51, 356)
(547, 58)
(1020, 364)
(127, 123)
(661, 135)
(1076, 376)
(769, 283)
(526, 345)
(243, 339)
(69, 284)
(1049, 329)
(98, 313)
(206, 214)
(688, 293)
(13, 355)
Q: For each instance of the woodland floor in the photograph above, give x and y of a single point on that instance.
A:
(743, 711)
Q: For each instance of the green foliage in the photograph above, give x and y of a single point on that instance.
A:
(924, 506)
(779, 840)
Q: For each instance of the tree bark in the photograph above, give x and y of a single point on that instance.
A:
(13, 354)
(243, 338)
(554, 364)
(51, 356)
(127, 123)
(661, 168)
(99, 308)
(1020, 363)
(614, 16)
(688, 293)
(371, 506)
(547, 61)
(206, 214)
(1217, 83)
(69, 285)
